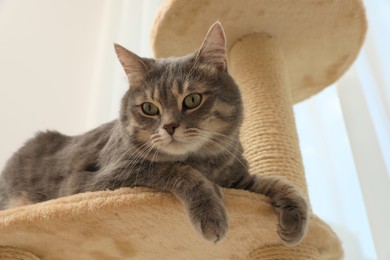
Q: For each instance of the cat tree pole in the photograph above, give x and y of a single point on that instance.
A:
(281, 52)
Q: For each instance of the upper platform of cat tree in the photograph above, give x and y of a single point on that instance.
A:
(320, 38)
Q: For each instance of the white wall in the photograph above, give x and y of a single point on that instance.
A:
(58, 68)
(48, 59)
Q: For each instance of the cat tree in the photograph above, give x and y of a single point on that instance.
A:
(281, 52)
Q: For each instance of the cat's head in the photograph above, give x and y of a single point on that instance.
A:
(181, 106)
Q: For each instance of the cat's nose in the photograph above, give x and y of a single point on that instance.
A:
(171, 128)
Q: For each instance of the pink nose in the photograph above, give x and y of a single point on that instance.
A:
(171, 128)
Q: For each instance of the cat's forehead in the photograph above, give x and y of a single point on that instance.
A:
(177, 75)
(172, 68)
(171, 79)
(169, 92)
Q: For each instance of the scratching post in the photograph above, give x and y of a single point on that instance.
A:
(268, 133)
(280, 53)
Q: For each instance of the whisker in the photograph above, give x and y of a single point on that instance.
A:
(156, 138)
(122, 157)
(227, 140)
(225, 149)
(143, 158)
(152, 161)
(130, 162)
(219, 134)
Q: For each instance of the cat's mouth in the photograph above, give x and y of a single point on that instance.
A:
(175, 146)
(175, 141)
(181, 143)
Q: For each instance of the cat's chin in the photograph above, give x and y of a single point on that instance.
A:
(180, 148)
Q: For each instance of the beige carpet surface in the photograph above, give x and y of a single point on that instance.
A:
(147, 224)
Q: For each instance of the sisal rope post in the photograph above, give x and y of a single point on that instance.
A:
(268, 133)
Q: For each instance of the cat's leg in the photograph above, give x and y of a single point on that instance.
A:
(200, 196)
(285, 198)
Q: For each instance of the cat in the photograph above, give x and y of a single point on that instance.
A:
(178, 130)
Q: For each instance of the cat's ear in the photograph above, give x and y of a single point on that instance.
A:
(213, 49)
(135, 68)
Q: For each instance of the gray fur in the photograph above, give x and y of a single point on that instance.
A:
(127, 152)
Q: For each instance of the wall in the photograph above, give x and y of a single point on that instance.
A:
(58, 68)
(48, 57)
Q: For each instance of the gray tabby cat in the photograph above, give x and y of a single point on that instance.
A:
(177, 131)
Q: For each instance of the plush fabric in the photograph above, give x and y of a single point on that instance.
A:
(148, 224)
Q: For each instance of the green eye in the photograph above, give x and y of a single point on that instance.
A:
(192, 100)
(149, 109)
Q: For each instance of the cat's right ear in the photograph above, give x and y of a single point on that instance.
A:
(133, 65)
(213, 49)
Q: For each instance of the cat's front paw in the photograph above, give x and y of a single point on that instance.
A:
(209, 219)
(293, 220)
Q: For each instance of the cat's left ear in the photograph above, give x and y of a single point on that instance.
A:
(213, 49)
(135, 68)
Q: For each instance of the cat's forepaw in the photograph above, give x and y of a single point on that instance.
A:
(293, 221)
(210, 220)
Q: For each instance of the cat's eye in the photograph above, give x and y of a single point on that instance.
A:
(150, 109)
(192, 101)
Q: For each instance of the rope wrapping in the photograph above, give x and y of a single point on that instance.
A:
(268, 133)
